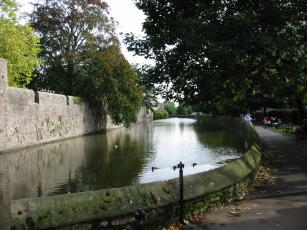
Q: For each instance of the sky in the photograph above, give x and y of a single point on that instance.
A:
(125, 13)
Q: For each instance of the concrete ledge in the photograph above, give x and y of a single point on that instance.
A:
(116, 207)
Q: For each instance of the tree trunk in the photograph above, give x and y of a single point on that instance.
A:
(300, 109)
(264, 110)
(70, 79)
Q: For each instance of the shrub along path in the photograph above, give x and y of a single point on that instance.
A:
(280, 203)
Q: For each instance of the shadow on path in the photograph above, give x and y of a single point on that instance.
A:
(280, 205)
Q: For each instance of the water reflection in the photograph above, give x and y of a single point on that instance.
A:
(120, 157)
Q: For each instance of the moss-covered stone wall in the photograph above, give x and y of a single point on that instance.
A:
(115, 208)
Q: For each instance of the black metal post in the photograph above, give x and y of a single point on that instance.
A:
(181, 166)
(140, 219)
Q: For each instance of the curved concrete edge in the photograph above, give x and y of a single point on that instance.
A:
(116, 207)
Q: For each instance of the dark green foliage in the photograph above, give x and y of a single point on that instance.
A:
(150, 96)
(112, 80)
(160, 114)
(71, 32)
(170, 107)
(225, 54)
(184, 110)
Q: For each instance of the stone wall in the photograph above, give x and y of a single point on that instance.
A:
(3, 87)
(115, 208)
(29, 118)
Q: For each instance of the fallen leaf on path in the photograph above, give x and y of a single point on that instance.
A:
(263, 176)
(234, 213)
(196, 218)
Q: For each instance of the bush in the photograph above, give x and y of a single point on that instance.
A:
(160, 114)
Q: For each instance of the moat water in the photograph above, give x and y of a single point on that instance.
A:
(121, 157)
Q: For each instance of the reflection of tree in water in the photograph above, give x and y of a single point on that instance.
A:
(181, 126)
(217, 133)
(112, 160)
(93, 162)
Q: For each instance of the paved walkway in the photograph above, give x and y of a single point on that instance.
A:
(280, 205)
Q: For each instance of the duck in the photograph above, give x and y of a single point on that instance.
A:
(194, 164)
(153, 168)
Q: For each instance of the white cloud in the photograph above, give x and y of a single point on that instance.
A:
(129, 19)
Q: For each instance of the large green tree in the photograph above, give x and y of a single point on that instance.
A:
(19, 45)
(170, 107)
(111, 79)
(81, 56)
(71, 32)
(8, 9)
(225, 54)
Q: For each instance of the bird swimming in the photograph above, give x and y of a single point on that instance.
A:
(153, 168)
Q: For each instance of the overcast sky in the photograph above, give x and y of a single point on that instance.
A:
(127, 15)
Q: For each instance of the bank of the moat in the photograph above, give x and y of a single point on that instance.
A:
(115, 207)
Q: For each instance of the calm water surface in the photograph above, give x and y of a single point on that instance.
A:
(120, 157)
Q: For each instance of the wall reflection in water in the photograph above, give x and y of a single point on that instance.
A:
(120, 157)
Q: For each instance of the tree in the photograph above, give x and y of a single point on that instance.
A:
(150, 96)
(19, 45)
(8, 9)
(81, 56)
(112, 80)
(160, 114)
(184, 110)
(71, 32)
(170, 107)
(225, 54)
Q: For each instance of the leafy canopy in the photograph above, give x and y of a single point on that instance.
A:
(225, 54)
(112, 80)
(170, 107)
(71, 32)
(8, 9)
(81, 56)
(19, 45)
